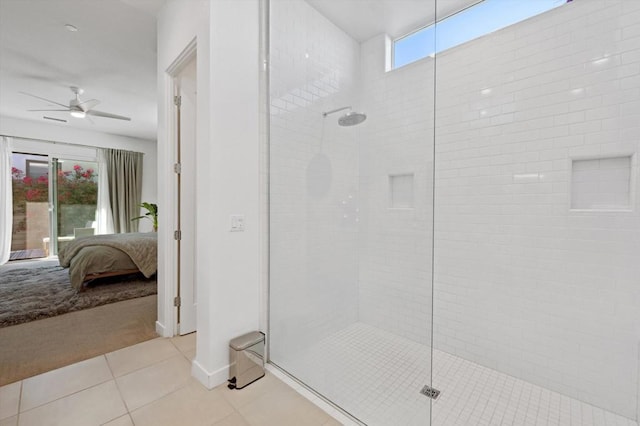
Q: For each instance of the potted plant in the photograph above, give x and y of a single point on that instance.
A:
(151, 214)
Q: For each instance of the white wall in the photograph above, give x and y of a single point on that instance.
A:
(35, 130)
(314, 180)
(524, 284)
(227, 175)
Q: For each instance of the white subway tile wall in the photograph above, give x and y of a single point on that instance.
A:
(523, 284)
(313, 180)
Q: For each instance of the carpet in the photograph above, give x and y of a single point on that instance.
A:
(38, 346)
(32, 293)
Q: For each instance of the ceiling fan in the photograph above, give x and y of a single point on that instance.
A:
(78, 108)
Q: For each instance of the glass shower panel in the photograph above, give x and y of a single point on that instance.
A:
(537, 224)
(351, 205)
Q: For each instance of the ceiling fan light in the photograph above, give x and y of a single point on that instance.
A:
(78, 114)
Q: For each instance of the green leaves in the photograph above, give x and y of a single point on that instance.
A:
(151, 214)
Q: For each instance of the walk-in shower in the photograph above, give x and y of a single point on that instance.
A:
(478, 234)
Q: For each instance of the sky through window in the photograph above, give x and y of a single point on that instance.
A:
(473, 22)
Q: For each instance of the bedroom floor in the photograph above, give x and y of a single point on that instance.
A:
(150, 384)
(44, 261)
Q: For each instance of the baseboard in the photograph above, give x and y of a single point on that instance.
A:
(209, 379)
(162, 330)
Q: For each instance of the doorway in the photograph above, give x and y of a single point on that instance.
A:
(185, 83)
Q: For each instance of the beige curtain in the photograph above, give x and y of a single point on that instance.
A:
(124, 171)
(104, 216)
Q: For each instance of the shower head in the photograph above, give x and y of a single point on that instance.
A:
(352, 118)
(349, 119)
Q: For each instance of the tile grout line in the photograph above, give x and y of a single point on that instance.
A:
(120, 416)
(68, 395)
(156, 400)
(235, 411)
(109, 366)
(129, 411)
(178, 349)
(19, 403)
(64, 396)
(148, 365)
(115, 381)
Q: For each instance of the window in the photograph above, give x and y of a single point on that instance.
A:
(482, 18)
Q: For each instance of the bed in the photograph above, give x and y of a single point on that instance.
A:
(99, 256)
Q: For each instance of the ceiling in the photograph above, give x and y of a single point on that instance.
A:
(112, 57)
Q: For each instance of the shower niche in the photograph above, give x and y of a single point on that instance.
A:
(602, 184)
(401, 191)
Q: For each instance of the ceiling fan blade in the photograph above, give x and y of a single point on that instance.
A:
(44, 99)
(107, 115)
(54, 119)
(87, 105)
(65, 110)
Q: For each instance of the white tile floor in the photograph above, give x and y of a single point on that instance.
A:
(473, 394)
(150, 384)
(377, 376)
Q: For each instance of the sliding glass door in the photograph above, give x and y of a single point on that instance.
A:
(48, 213)
(30, 185)
(75, 196)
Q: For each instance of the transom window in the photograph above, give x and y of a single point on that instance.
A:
(475, 21)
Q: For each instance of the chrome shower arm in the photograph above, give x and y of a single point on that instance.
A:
(324, 114)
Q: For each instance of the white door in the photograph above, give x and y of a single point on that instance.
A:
(186, 88)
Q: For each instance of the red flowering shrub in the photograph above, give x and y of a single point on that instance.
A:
(74, 187)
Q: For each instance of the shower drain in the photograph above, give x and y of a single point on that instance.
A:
(430, 392)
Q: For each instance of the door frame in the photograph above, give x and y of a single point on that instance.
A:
(170, 267)
(186, 155)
